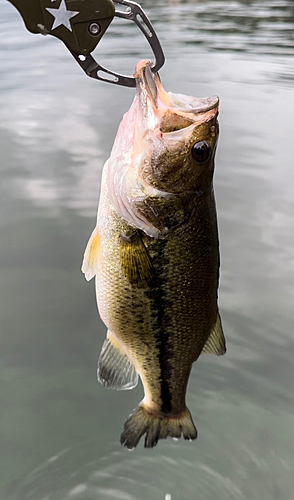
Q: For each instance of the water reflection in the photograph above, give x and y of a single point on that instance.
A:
(263, 27)
(243, 455)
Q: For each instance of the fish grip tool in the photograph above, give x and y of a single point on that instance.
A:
(80, 25)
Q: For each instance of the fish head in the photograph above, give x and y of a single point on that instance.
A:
(164, 148)
(175, 137)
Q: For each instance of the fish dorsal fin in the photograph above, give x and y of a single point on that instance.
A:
(135, 260)
(216, 343)
(91, 255)
(115, 370)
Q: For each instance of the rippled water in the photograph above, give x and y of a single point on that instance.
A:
(59, 429)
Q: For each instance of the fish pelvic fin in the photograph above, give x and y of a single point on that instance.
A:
(135, 260)
(91, 255)
(216, 342)
(115, 370)
(156, 426)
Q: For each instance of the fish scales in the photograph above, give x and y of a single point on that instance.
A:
(157, 266)
(163, 318)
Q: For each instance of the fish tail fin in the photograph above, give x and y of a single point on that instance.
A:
(156, 426)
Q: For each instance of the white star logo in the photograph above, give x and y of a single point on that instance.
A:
(62, 16)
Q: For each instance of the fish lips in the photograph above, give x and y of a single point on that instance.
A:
(167, 111)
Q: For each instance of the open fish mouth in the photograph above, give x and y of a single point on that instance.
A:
(168, 111)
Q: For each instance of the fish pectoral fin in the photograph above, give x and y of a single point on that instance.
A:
(216, 342)
(135, 260)
(115, 370)
(91, 255)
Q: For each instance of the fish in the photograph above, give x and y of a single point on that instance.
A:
(155, 256)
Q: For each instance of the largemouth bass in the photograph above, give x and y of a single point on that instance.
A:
(155, 255)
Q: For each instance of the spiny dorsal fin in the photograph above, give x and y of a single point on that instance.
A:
(115, 370)
(91, 255)
(135, 261)
(216, 343)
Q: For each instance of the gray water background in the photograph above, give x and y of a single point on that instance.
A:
(59, 429)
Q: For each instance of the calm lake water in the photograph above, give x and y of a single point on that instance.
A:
(59, 428)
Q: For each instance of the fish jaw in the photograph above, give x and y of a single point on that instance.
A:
(154, 101)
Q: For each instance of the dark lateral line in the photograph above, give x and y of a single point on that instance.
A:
(162, 337)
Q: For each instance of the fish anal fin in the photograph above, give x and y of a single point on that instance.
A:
(91, 255)
(135, 260)
(216, 342)
(115, 370)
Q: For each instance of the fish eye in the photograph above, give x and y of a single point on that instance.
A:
(201, 151)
